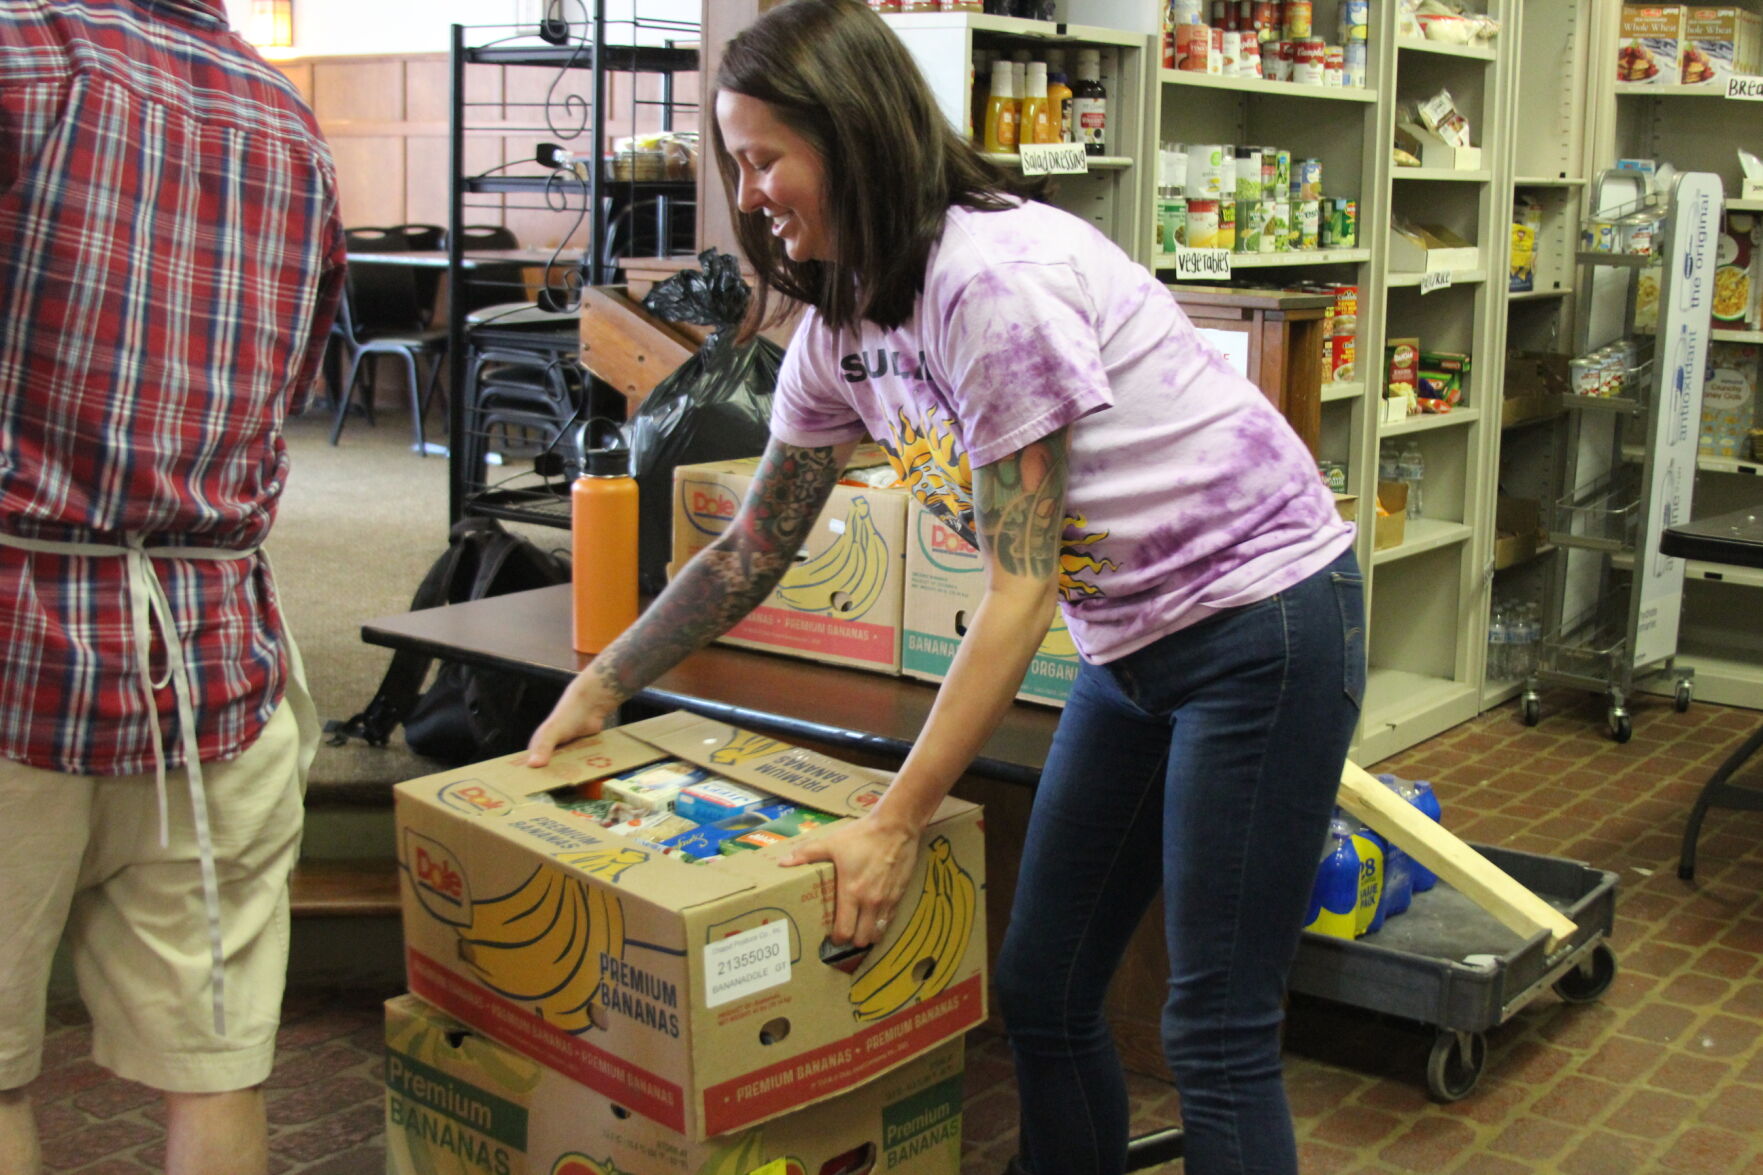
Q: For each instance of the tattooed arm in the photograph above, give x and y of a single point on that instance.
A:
(708, 597)
(1019, 517)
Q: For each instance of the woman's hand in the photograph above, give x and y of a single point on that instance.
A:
(581, 711)
(872, 863)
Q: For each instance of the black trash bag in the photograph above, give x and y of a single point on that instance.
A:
(716, 407)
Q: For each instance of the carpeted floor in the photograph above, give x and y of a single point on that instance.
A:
(1663, 1074)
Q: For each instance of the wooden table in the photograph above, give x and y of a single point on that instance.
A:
(437, 258)
(1735, 538)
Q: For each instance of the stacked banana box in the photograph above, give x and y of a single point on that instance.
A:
(882, 583)
(587, 1000)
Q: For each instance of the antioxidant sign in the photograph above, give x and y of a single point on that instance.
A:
(744, 963)
(1054, 159)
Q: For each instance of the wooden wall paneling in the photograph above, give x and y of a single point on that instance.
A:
(371, 90)
(370, 178)
(427, 86)
(300, 74)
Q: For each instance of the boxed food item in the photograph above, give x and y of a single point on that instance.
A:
(944, 584)
(1518, 530)
(1650, 44)
(1392, 515)
(1402, 364)
(1720, 42)
(1429, 248)
(1738, 272)
(700, 995)
(457, 1101)
(841, 602)
(1444, 377)
(1527, 222)
(1729, 399)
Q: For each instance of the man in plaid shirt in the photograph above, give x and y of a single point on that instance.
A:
(170, 260)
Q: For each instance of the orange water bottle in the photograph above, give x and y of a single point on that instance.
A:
(603, 549)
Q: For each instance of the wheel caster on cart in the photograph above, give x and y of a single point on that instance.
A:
(1685, 691)
(1455, 1064)
(1621, 729)
(1531, 706)
(1591, 978)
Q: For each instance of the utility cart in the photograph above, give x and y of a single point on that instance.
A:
(1449, 964)
(1629, 460)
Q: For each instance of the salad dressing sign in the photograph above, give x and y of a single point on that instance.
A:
(1682, 346)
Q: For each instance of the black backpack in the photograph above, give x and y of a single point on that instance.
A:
(467, 713)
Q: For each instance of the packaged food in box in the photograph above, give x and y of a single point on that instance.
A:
(1649, 46)
(1729, 399)
(1738, 272)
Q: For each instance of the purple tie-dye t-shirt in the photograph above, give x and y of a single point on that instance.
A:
(1188, 492)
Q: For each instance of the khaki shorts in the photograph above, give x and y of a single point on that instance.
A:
(82, 853)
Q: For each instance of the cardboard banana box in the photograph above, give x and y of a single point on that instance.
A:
(696, 995)
(945, 581)
(841, 602)
(459, 1103)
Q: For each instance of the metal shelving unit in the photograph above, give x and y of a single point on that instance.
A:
(530, 141)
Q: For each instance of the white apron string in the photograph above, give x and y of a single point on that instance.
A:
(149, 606)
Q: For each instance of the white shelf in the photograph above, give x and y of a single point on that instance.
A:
(1535, 295)
(1736, 336)
(1709, 464)
(1426, 421)
(1745, 205)
(1093, 162)
(1251, 85)
(1447, 174)
(1537, 181)
(1720, 680)
(1674, 90)
(1342, 391)
(1403, 708)
(1296, 257)
(1421, 535)
(1473, 52)
(1459, 277)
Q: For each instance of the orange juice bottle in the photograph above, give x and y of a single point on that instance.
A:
(1058, 102)
(1036, 124)
(1002, 112)
(603, 549)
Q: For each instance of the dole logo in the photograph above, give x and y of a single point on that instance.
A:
(708, 505)
(474, 797)
(438, 878)
(943, 548)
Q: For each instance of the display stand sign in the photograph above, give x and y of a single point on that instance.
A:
(1054, 159)
(1681, 357)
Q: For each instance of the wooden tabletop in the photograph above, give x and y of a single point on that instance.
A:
(529, 633)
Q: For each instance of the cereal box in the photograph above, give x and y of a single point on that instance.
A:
(1650, 46)
(1729, 399)
(1738, 272)
(1719, 43)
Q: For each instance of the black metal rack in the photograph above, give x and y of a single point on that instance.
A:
(567, 170)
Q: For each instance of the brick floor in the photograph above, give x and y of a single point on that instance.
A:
(1662, 1074)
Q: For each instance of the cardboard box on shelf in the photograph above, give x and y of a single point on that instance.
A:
(1390, 528)
(1720, 42)
(458, 1101)
(841, 602)
(944, 584)
(697, 995)
(1729, 399)
(1429, 248)
(1347, 506)
(1433, 151)
(1649, 47)
(1738, 273)
(1518, 530)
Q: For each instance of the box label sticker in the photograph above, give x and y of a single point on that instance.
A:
(745, 963)
(1438, 279)
(854, 640)
(1054, 159)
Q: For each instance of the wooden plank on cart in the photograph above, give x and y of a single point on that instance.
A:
(1467, 871)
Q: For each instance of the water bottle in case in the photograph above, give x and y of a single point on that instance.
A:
(1334, 896)
(1427, 802)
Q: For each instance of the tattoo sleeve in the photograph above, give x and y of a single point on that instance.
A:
(1019, 507)
(729, 578)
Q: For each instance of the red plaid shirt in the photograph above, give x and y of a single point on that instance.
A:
(170, 259)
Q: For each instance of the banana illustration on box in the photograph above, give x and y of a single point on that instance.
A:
(576, 1163)
(931, 945)
(542, 943)
(846, 579)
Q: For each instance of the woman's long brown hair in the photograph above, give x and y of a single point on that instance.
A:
(835, 73)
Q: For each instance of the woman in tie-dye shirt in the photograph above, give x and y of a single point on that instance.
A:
(1046, 397)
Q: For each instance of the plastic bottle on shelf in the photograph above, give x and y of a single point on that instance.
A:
(603, 549)
(1089, 103)
(1035, 125)
(1334, 895)
(1002, 112)
(1058, 97)
(1411, 468)
(1497, 642)
(1386, 462)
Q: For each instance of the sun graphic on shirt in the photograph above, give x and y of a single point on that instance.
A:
(928, 460)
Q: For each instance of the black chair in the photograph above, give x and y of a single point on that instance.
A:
(494, 284)
(379, 315)
(424, 238)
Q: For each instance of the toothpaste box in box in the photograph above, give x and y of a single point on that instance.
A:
(695, 994)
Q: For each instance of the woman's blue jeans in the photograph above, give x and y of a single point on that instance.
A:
(1203, 767)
